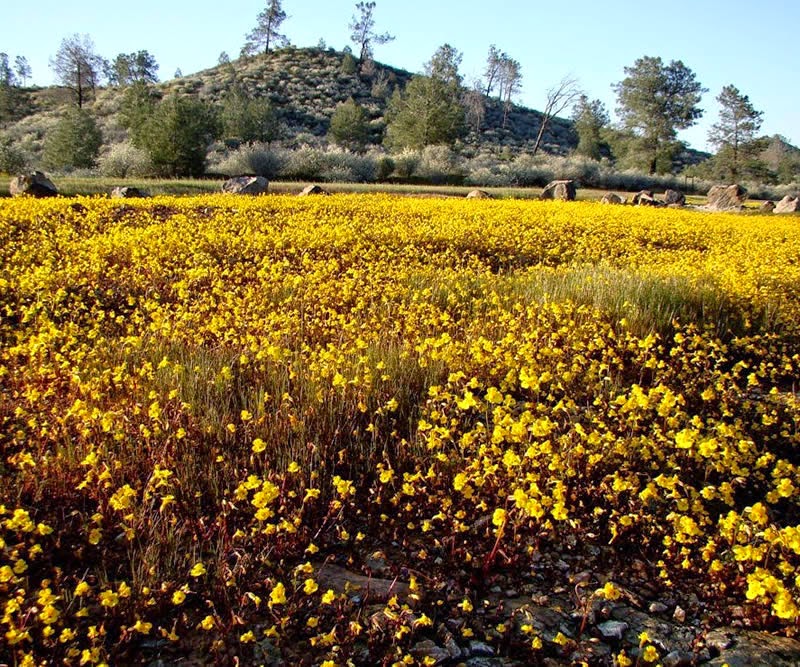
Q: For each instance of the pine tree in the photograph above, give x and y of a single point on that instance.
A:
(735, 133)
(267, 33)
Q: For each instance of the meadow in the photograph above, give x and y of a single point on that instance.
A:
(208, 400)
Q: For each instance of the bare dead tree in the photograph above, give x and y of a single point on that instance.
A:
(475, 105)
(564, 94)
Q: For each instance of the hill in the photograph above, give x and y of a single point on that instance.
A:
(304, 87)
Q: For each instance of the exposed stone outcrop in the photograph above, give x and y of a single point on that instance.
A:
(788, 205)
(127, 192)
(726, 198)
(563, 190)
(246, 185)
(313, 190)
(645, 198)
(33, 184)
(674, 198)
(612, 198)
(479, 194)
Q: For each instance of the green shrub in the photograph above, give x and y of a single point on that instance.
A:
(75, 142)
(125, 160)
(12, 160)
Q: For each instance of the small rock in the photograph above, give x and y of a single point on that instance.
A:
(613, 629)
(679, 615)
(657, 608)
(767, 207)
(479, 194)
(512, 593)
(429, 649)
(479, 649)
(677, 659)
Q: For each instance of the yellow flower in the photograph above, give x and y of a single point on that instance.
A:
(142, 627)
(109, 599)
(609, 591)
(198, 570)
(81, 589)
(650, 653)
(310, 586)
(329, 597)
(207, 623)
(259, 445)
(178, 597)
(247, 637)
(278, 594)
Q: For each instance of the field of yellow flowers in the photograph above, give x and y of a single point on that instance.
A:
(206, 401)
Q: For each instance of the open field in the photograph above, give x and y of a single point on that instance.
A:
(211, 403)
(72, 186)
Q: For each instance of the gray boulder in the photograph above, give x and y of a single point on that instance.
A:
(788, 205)
(726, 198)
(674, 198)
(127, 192)
(767, 207)
(645, 198)
(33, 184)
(563, 190)
(479, 194)
(246, 185)
(612, 198)
(311, 190)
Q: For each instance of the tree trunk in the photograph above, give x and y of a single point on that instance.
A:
(540, 135)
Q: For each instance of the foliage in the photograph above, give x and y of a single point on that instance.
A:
(139, 102)
(655, 101)
(125, 160)
(735, 133)
(590, 117)
(349, 125)
(429, 111)
(177, 135)
(77, 66)
(206, 398)
(267, 31)
(12, 161)
(74, 143)
(248, 119)
(129, 68)
(22, 69)
(362, 31)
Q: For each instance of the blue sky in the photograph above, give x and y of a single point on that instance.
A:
(750, 45)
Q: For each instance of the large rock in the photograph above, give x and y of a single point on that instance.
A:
(310, 190)
(787, 205)
(479, 194)
(674, 198)
(127, 192)
(563, 190)
(246, 185)
(726, 198)
(612, 198)
(736, 647)
(767, 207)
(34, 184)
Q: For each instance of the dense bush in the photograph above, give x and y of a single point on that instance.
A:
(75, 143)
(123, 160)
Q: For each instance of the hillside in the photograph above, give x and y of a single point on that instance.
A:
(304, 87)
